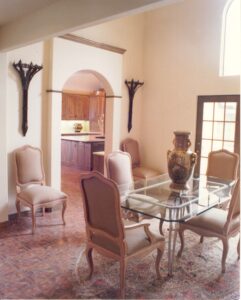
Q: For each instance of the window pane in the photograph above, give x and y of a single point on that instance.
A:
(208, 111)
(229, 131)
(203, 165)
(217, 145)
(219, 111)
(230, 114)
(206, 147)
(218, 130)
(228, 146)
(231, 50)
(207, 130)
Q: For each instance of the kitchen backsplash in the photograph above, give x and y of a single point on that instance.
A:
(68, 126)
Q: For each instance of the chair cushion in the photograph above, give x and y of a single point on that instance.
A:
(142, 172)
(136, 239)
(41, 194)
(214, 219)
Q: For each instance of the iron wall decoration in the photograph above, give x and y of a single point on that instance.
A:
(26, 73)
(132, 88)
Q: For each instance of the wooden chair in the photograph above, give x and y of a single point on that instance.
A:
(223, 164)
(105, 231)
(216, 223)
(30, 183)
(139, 172)
(118, 167)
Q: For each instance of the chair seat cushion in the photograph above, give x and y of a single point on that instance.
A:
(142, 172)
(214, 219)
(136, 239)
(41, 194)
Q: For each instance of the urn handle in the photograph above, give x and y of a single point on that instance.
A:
(193, 158)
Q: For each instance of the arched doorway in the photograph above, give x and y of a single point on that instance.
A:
(69, 59)
(83, 122)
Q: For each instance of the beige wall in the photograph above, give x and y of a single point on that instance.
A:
(3, 136)
(182, 48)
(176, 54)
(69, 58)
(126, 33)
(36, 95)
(64, 16)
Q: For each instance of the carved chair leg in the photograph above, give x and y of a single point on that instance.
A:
(88, 253)
(201, 239)
(181, 235)
(63, 211)
(33, 219)
(18, 207)
(122, 278)
(160, 227)
(225, 252)
(238, 248)
(158, 259)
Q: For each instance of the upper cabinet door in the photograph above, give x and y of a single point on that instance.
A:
(82, 107)
(75, 107)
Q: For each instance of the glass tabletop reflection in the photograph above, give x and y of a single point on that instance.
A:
(155, 198)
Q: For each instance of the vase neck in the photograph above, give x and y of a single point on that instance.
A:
(182, 141)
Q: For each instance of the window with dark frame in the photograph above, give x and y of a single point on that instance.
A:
(217, 127)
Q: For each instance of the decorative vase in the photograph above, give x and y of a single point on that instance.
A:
(181, 161)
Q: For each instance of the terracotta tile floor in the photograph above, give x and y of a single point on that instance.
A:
(41, 265)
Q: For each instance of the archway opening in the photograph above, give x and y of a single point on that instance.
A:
(84, 125)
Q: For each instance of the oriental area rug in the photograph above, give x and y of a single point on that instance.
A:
(197, 274)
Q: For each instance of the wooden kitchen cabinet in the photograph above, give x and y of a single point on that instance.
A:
(65, 152)
(75, 107)
(79, 155)
(69, 153)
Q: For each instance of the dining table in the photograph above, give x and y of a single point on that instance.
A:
(155, 198)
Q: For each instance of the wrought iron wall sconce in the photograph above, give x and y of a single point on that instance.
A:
(132, 88)
(26, 73)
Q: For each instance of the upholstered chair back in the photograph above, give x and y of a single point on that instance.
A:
(28, 166)
(131, 146)
(234, 208)
(101, 200)
(223, 164)
(118, 165)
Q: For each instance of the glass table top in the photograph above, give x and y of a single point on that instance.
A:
(155, 198)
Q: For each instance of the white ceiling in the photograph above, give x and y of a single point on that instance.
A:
(26, 21)
(11, 10)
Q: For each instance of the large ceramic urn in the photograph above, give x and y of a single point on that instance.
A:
(181, 161)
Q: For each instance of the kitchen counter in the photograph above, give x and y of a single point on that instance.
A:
(83, 138)
(81, 133)
(77, 150)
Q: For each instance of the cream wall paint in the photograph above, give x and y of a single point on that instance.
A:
(3, 135)
(126, 33)
(34, 135)
(181, 61)
(180, 53)
(69, 58)
(64, 16)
